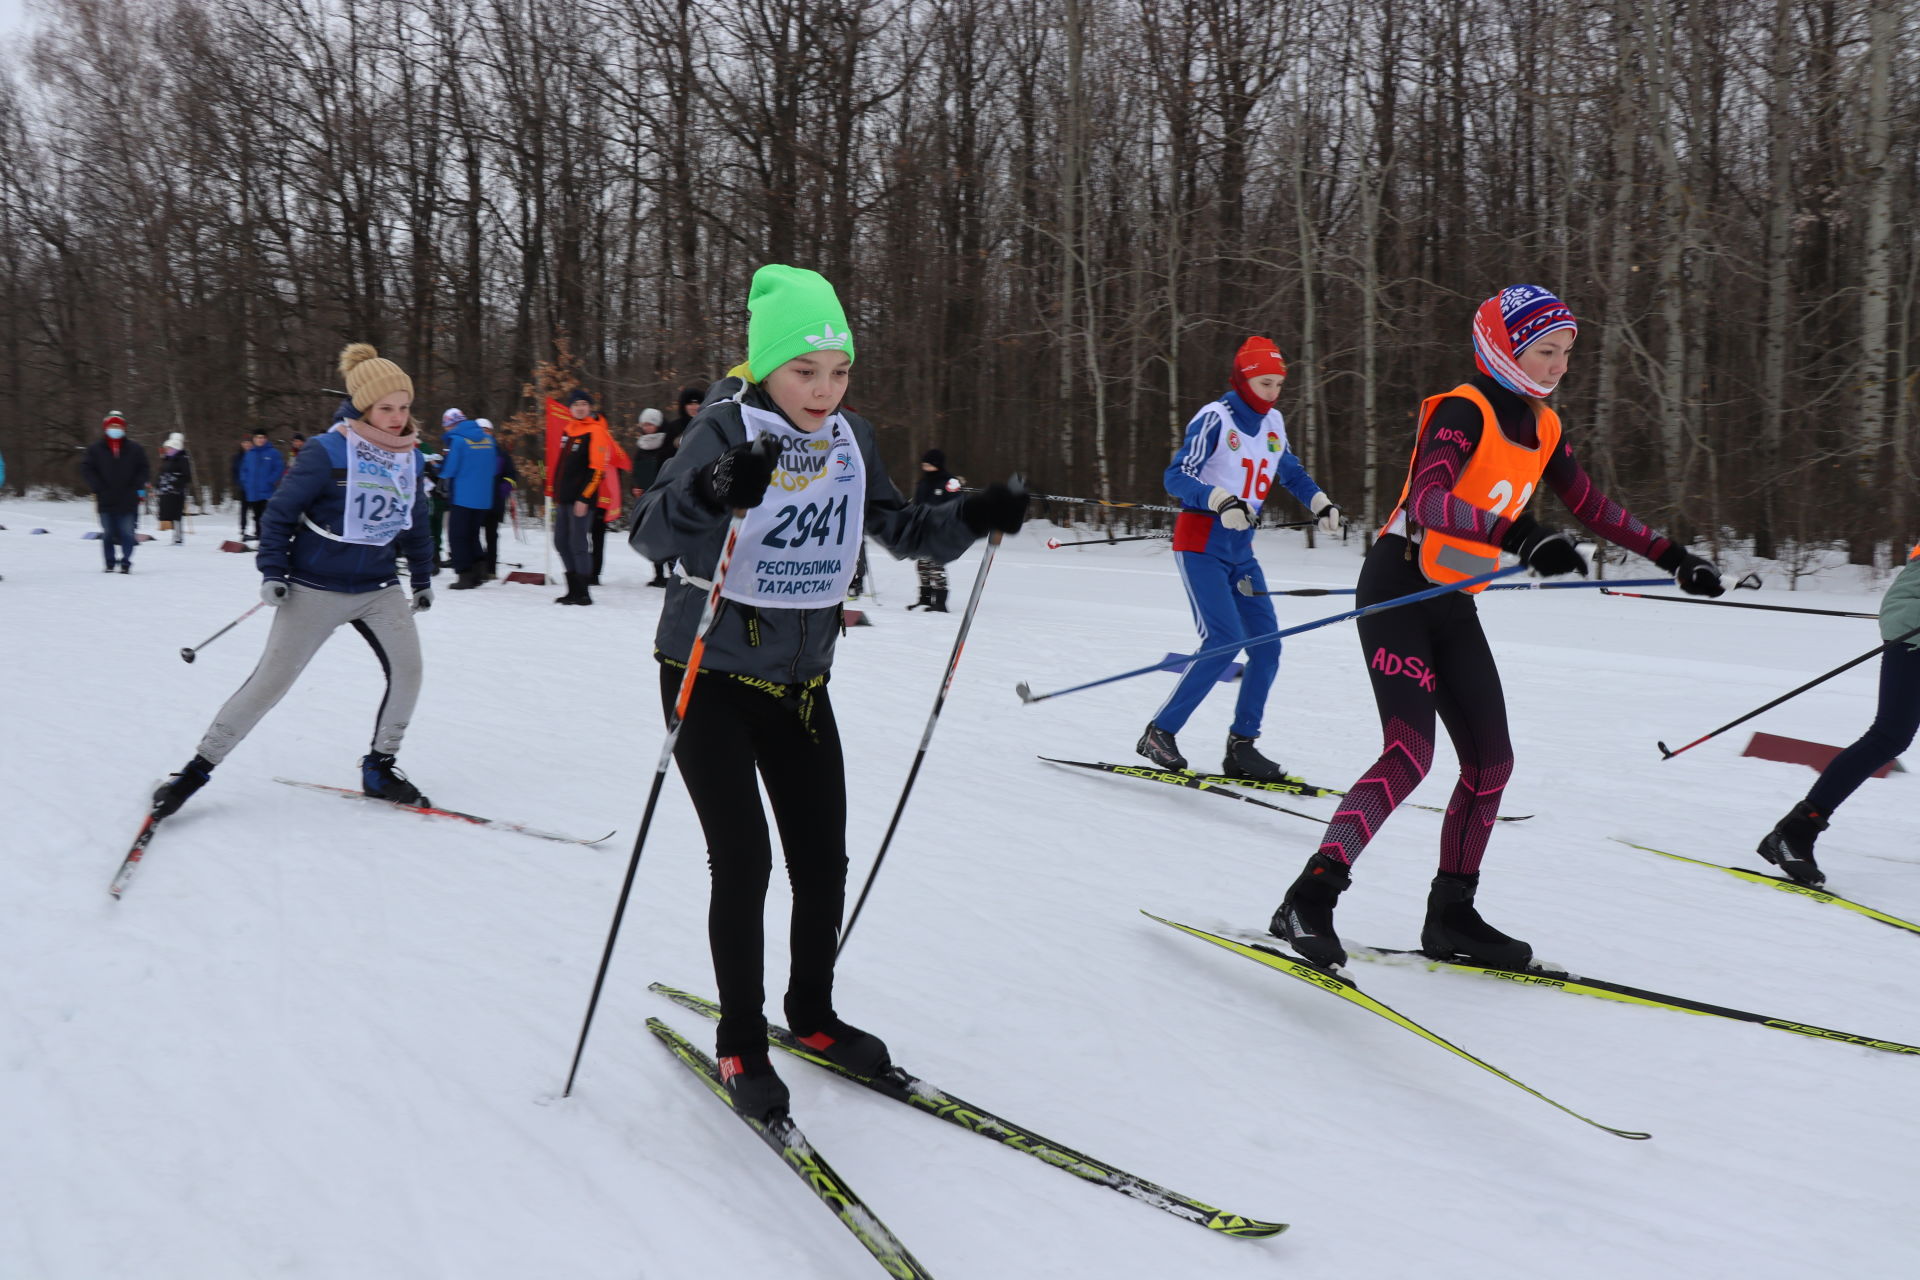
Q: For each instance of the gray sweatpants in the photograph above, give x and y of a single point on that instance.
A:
(301, 625)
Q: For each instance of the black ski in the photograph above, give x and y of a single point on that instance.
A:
(1558, 980)
(921, 1096)
(1783, 884)
(792, 1146)
(1225, 785)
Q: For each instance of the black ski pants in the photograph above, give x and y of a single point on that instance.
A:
(1425, 660)
(731, 730)
(1892, 731)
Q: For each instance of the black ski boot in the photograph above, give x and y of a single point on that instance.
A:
(572, 589)
(659, 574)
(1304, 920)
(1157, 745)
(379, 779)
(1244, 761)
(173, 793)
(753, 1088)
(848, 1048)
(468, 580)
(1455, 931)
(1789, 846)
(939, 604)
(925, 600)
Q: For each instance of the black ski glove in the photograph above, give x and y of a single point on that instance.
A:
(1547, 551)
(739, 477)
(1696, 577)
(997, 506)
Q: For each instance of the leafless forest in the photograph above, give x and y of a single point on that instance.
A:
(1052, 222)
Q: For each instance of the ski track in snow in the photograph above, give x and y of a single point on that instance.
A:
(318, 1040)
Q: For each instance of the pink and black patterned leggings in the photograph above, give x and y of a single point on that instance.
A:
(1426, 659)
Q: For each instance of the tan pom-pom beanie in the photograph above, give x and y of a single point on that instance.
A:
(370, 378)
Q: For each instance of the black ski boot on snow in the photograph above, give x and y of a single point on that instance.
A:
(925, 600)
(468, 580)
(1157, 745)
(848, 1048)
(1243, 760)
(173, 793)
(939, 602)
(1304, 920)
(1455, 931)
(1789, 846)
(753, 1088)
(379, 779)
(576, 590)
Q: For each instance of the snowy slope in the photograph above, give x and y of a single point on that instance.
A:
(318, 1039)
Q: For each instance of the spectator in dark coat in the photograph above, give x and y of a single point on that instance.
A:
(691, 397)
(116, 470)
(503, 487)
(936, 485)
(651, 449)
(173, 484)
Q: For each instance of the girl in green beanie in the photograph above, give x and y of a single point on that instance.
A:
(761, 702)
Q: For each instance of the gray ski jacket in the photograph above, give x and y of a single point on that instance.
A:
(787, 646)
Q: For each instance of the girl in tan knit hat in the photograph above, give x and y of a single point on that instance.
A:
(354, 504)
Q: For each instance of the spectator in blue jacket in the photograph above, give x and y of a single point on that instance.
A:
(260, 470)
(329, 552)
(467, 477)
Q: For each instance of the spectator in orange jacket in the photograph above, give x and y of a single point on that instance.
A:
(580, 460)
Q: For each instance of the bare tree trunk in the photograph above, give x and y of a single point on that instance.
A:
(1779, 260)
(1877, 277)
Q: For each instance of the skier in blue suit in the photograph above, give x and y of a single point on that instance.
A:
(1235, 448)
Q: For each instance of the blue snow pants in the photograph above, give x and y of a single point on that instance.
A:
(1224, 616)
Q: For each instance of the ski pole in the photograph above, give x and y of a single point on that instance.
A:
(188, 655)
(1097, 502)
(1845, 666)
(1741, 604)
(926, 735)
(1054, 544)
(1179, 661)
(1245, 588)
(674, 722)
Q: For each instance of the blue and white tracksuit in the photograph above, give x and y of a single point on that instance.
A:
(1228, 446)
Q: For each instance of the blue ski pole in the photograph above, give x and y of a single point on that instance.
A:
(1179, 661)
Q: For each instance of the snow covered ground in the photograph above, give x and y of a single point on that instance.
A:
(322, 1040)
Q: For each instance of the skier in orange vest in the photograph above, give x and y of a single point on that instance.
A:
(1482, 450)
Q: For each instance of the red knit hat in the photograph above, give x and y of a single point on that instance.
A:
(113, 419)
(1257, 356)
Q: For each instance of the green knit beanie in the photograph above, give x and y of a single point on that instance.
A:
(792, 312)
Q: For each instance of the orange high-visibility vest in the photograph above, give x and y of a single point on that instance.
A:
(1915, 553)
(1499, 477)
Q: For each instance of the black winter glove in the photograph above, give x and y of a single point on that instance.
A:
(1695, 576)
(997, 506)
(1547, 551)
(739, 477)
